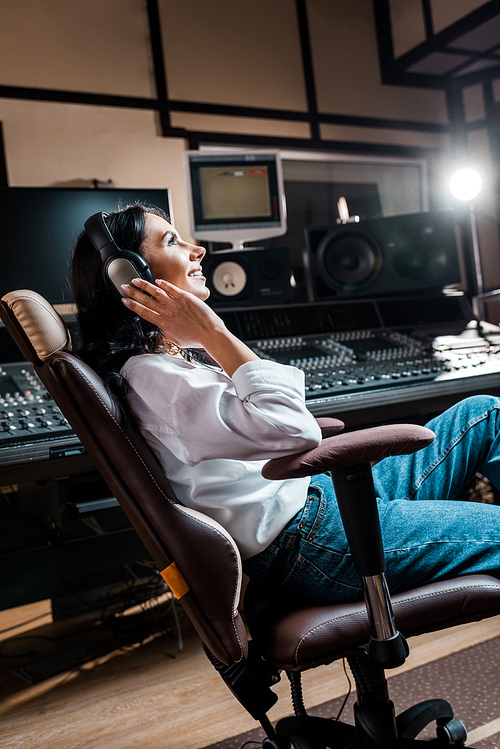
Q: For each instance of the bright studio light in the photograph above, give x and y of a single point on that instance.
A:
(465, 184)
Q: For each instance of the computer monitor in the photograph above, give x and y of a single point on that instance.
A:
(39, 228)
(235, 196)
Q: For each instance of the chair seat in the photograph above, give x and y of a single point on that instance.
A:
(297, 636)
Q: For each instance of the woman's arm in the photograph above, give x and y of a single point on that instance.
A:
(187, 321)
(202, 415)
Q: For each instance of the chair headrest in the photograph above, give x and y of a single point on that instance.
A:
(44, 327)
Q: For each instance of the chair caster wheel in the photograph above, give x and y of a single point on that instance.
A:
(451, 732)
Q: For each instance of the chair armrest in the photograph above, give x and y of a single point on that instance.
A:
(329, 426)
(348, 457)
(350, 449)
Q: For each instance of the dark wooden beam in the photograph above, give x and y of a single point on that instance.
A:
(4, 180)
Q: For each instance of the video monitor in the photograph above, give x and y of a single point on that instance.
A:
(235, 196)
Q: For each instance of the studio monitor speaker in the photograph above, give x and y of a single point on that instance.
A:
(251, 276)
(385, 256)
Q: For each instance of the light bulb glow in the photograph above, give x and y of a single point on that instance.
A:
(465, 184)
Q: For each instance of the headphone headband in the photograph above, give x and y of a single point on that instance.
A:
(99, 234)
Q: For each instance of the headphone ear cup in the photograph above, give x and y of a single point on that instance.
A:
(122, 268)
(119, 266)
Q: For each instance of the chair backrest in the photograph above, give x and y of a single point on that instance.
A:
(195, 555)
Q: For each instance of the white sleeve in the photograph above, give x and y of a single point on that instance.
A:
(201, 415)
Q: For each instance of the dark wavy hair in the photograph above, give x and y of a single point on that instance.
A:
(110, 333)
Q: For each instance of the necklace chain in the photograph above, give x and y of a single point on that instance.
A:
(193, 356)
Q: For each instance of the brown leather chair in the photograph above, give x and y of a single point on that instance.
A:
(201, 564)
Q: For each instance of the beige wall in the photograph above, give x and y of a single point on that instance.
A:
(233, 52)
(222, 52)
(82, 45)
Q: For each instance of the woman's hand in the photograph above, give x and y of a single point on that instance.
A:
(186, 321)
(183, 318)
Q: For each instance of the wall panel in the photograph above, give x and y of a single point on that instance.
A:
(347, 70)
(445, 13)
(408, 26)
(77, 45)
(233, 52)
(474, 103)
(225, 52)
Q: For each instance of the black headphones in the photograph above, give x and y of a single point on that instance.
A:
(119, 266)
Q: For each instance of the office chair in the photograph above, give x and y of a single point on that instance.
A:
(201, 564)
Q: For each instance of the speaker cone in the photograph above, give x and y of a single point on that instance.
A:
(229, 278)
(349, 260)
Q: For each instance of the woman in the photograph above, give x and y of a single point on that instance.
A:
(213, 424)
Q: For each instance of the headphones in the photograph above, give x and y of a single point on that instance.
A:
(119, 266)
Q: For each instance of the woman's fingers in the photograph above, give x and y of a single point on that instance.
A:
(146, 312)
(145, 293)
(168, 288)
(149, 301)
(145, 287)
(143, 298)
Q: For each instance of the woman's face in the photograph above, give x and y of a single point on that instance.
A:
(172, 259)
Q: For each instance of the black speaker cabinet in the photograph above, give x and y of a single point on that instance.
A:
(384, 256)
(252, 276)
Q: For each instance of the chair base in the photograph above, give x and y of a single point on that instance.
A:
(375, 728)
(376, 725)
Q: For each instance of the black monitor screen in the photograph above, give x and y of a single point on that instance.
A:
(40, 225)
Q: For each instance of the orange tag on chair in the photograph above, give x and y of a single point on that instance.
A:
(174, 580)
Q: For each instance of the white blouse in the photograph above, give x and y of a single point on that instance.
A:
(212, 435)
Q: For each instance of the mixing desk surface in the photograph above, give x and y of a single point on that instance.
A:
(365, 354)
(354, 370)
(356, 356)
(31, 425)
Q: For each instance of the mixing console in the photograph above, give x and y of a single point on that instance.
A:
(367, 359)
(384, 365)
(31, 425)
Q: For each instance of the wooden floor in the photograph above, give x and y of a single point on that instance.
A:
(151, 695)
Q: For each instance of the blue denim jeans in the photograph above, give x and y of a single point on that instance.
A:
(427, 534)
